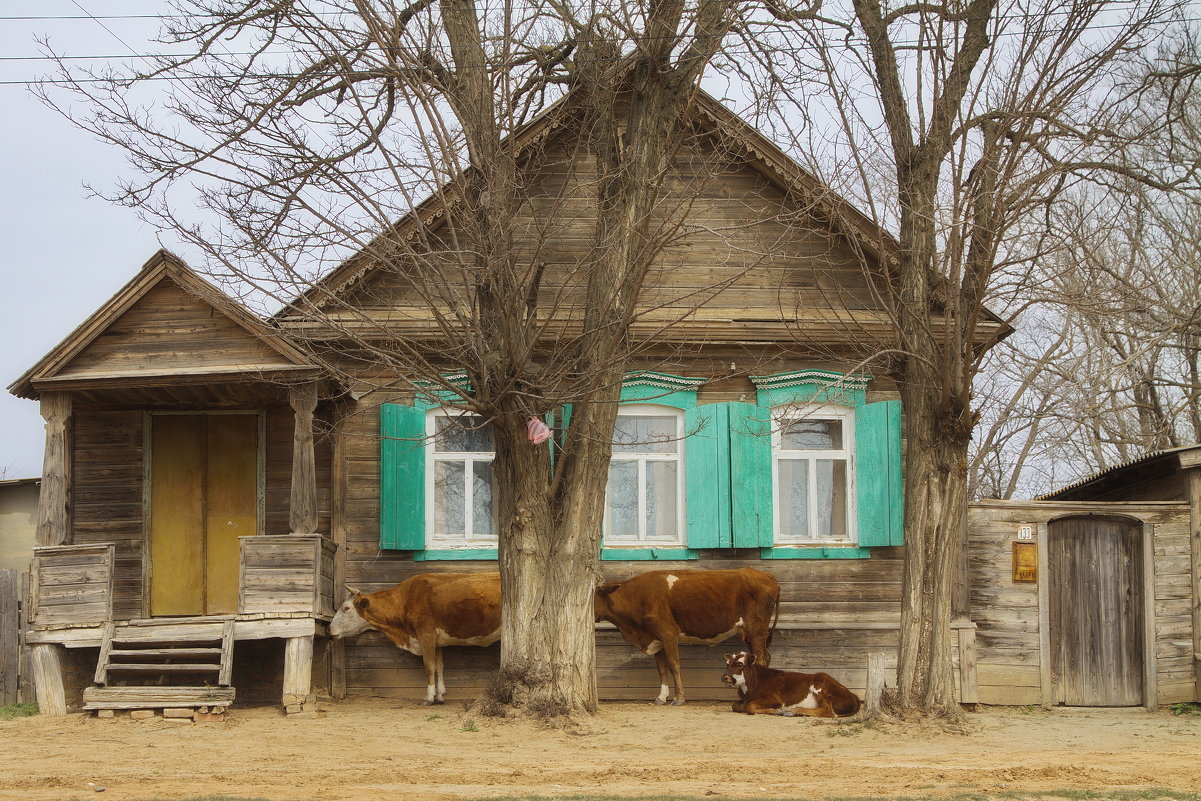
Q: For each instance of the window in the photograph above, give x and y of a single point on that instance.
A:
(644, 499)
(459, 480)
(812, 474)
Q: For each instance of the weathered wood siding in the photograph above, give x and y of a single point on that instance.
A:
(1010, 665)
(168, 329)
(108, 490)
(834, 611)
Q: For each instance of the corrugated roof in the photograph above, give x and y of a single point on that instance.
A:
(1150, 457)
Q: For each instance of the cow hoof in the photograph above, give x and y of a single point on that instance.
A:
(787, 713)
(678, 702)
(660, 701)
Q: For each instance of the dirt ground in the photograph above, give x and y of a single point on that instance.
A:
(376, 749)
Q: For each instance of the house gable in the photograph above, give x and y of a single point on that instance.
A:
(167, 325)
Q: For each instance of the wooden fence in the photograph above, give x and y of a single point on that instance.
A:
(12, 677)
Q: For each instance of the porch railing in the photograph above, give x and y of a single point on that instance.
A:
(71, 584)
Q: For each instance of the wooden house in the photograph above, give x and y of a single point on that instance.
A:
(192, 510)
(1088, 596)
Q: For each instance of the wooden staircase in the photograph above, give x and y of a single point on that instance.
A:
(141, 664)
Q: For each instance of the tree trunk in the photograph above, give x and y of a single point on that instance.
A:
(549, 558)
(935, 512)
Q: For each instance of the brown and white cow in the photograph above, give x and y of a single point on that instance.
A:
(767, 691)
(425, 613)
(657, 611)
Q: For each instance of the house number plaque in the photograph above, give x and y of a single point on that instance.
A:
(1025, 561)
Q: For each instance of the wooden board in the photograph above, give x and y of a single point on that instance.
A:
(1096, 611)
(177, 515)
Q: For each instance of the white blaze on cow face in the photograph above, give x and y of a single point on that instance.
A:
(671, 580)
(347, 622)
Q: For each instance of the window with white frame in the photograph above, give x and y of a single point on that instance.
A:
(459, 482)
(644, 502)
(812, 474)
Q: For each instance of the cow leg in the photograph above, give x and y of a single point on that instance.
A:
(671, 653)
(664, 676)
(441, 677)
(765, 706)
(429, 659)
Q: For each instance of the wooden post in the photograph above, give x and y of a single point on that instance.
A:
(969, 684)
(341, 484)
(54, 498)
(298, 677)
(302, 514)
(875, 684)
(10, 637)
(1194, 502)
(48, 680)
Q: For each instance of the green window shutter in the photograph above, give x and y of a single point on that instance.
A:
(402, 477)
(880, 511)
(750, 475)
(706, 475)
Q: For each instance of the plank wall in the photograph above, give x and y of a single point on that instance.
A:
(834, 611)
(1006, 613)
(107, 490)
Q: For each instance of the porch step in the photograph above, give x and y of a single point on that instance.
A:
(160, 650)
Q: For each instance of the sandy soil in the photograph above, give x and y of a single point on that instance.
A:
(376, 749)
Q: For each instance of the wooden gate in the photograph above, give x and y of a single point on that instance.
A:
(1096, 597)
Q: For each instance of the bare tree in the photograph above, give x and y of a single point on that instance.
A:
(958, 125)
(310, 128)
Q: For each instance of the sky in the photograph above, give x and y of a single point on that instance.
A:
(64, 254)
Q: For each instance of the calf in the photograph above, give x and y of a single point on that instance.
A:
(425, 613)
(658, 610)
(766, 691)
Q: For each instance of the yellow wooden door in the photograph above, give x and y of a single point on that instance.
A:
(203, 497)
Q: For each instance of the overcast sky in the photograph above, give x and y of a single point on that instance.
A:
(64, 254)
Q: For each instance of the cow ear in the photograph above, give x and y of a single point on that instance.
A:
(607, 589)
(750, 659)
(362, 602)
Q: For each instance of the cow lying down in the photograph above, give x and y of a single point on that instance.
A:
(425, 613)
(767, 691)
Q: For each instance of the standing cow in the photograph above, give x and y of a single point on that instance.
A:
(657, 611)
(425, 613)
(767, 691)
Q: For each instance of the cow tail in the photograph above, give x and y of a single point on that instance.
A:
(775, 618)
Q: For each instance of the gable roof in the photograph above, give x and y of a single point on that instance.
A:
(714, 117)
(258, 350)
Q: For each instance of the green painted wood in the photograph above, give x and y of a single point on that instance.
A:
(879, 503)
(810, 552)
(453, 554)
(825, 390)
(402, 477)
(659, 396)
(646, 554)
(751, 504)
(707, 476)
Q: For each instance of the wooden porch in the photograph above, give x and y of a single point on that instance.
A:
(285, 592)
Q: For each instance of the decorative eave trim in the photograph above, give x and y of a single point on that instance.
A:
(649, 378)
(822, 378)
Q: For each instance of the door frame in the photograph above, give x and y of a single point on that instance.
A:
(1150, 673)
(148, 473)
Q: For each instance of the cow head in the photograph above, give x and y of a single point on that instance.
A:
(736, 665)
(602, 604)
(351, 617)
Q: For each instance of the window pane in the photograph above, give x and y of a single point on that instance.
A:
(794, 497)
(481, 499)
(661, 501)
(831, 498)
(811, 435)
(637, 433)
(622, 513)
(448, 498)
(464, 433)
